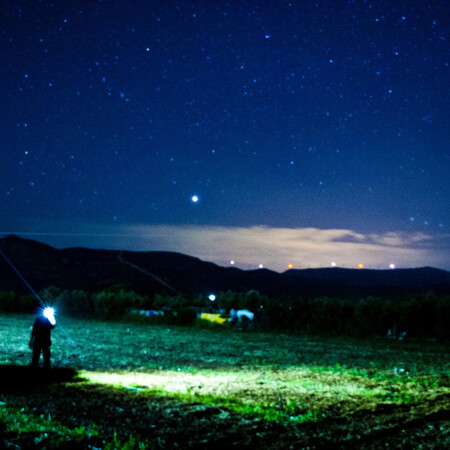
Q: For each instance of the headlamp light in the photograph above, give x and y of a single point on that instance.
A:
(49, 313)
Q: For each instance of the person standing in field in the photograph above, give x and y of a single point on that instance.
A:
(40, 340)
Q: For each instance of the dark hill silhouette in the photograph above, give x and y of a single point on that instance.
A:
(171, 273)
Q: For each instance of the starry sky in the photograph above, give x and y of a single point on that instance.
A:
(243, 132)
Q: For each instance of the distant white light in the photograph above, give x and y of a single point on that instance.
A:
(261, 266)
(212, 297)
(333, 264)
(194, 198)
(392, 266)
(232, 262)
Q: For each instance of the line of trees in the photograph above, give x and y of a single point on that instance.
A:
(422, 316)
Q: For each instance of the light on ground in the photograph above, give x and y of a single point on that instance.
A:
(261, 266)
(361, 266)
(290, 266)
(392, 266)
(333, 264)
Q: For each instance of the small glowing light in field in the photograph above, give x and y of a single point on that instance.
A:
(261, 266)
(361, 266)
(392, 266)
(49, 313)
(212, 297)
(333, 264)
(194, 198)
(232, 262)
(290, 266)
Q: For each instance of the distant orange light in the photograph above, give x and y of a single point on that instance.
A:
(360, 266)
(290, 266)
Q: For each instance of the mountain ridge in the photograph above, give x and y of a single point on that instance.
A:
(171, 273)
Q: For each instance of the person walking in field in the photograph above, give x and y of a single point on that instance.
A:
(40, 340)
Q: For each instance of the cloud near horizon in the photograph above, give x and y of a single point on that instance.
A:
(275, 248)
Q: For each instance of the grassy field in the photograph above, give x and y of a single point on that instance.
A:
(148, 386)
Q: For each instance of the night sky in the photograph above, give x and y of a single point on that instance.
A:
(259, 132)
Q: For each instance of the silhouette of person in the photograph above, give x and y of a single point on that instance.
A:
(40, 340)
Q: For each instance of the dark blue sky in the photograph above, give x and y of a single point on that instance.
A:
(286, 115)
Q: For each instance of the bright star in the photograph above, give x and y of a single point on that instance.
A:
(194, 199)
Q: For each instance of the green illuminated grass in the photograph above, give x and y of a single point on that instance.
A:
(46, 432)
(164, 376)
(40, 429)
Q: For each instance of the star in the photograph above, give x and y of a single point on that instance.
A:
(240, 130)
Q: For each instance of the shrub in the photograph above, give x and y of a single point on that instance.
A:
(8, 301)
(11, 302)
(114, 303)
(372, 316)
(80, 303)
